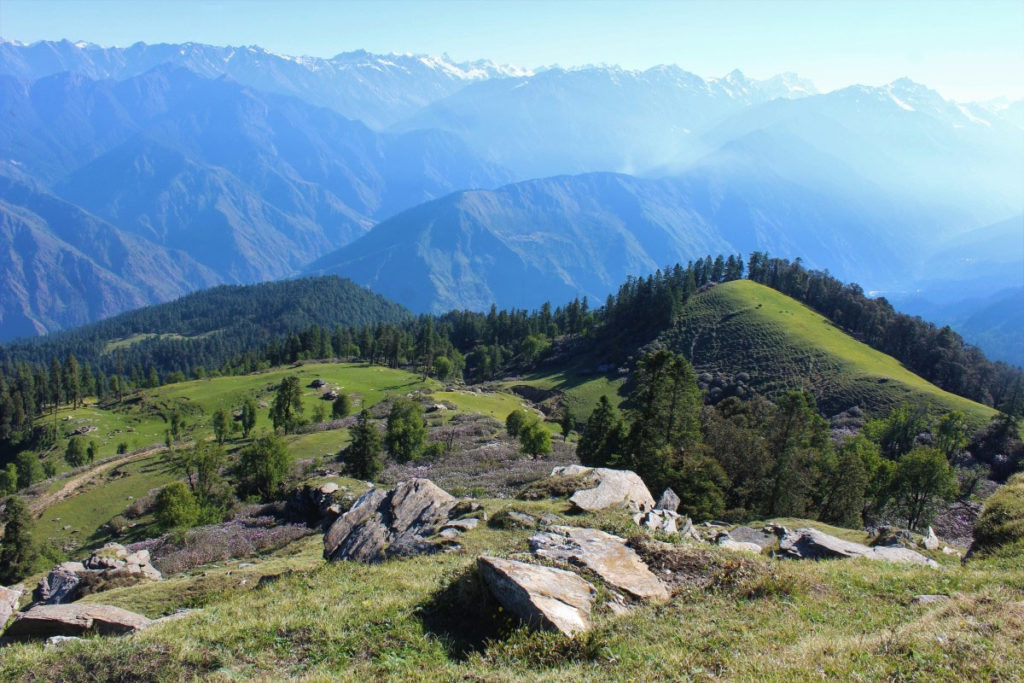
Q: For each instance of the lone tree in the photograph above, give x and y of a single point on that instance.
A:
(515, 421)
(76, 454)
(17, 551)
(363, 454)
(922, 480)
(407, 433)
(221, 425)
(286, 412)
(534, 439)
(176, 507)
(263, 468)
(248, 417)
(341, 407)
(602, 437)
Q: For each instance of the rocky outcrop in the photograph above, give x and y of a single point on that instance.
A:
(44, 621)
(605, 555)
(9, 598)
(724, 540)
(615, 488)
(668, 501)
(387, 524)
(665, 521)
(746, 534)
(816, 545)
(543, 597)
(113, 560)
(930, 540)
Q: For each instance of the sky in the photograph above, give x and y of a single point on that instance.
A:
(968, 51)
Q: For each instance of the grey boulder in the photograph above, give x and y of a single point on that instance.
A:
(387, 524)
(668, 501)
(60, 585)
(606, 555)
(9, 598)
(815, 545)
(543, 597)
(614, 488)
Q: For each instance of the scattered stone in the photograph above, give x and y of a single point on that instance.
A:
(54, 641)
(44, 621)
(928, 599)
(615, 488)
(463, 524)
(449, 533)
(605, 555)
(668, 501)
(665, 521)
(930, 541)
(816, 545)
(724, 540)
(513, 519)
(543, 597)
(745, 534)
(382, 524)
(946, 550)
(9, 598)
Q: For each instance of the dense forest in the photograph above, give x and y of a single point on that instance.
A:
(233, 330)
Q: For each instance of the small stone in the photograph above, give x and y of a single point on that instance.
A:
(928, 599)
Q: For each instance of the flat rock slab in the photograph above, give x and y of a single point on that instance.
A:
(543, 597)
(615, 488)
(746, 534)
(44, 621)
(381, 521)
(605, 555)
(815, 545)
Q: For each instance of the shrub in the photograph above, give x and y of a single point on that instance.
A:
(1001, 524)
(515, 421)
(176, 507)
(534, 439)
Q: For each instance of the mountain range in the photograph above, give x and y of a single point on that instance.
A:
(486, 183)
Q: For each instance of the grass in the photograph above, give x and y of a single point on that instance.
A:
(425, 618)
(497, 404)
(784, 345)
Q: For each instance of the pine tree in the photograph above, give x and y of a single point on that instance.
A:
(602, 437)
(17, 550)
(363, 455)
(248, 417)
(286, 410)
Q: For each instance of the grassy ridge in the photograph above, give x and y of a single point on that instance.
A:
(743, 326)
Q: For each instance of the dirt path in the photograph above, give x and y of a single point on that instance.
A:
(37, 506)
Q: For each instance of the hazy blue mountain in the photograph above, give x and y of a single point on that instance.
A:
(595, 118)
(63, 267)
(555, 238)
(252, 185)
(376, 89)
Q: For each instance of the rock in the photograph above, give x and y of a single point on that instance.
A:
(317, 506)
(60, 585)
(928, 599)
(894, 538)
(449, 533)
(815, 545)
(930, 541)
(54, 641)
(745, 534)
(330, 488)
(726, 541)
(946, 550)
(9, 598)
(543, 597)
(44, 621)
(463, 524)
(110, 556)
(668, 501)
(605, 555)
(393, 523)
(665, 521)
(615, 488)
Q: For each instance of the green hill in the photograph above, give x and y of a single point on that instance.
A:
(744, 327)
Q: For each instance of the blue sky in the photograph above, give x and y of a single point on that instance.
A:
(965, 50)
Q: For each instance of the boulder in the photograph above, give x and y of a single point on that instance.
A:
(724, 540)
(665, 521)
(745, 534)
(930, 541)
(383, 524)
(60, 585)
(605, 555)
(467, 524)
(615, 488)
(44, 621)
(929, 598)
(543, 597)
(668, 501)
(9, 598)
(816, 545)
(110, 556)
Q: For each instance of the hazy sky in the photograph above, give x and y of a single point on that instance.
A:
(965, 50)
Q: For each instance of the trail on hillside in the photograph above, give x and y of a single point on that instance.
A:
(39, 505)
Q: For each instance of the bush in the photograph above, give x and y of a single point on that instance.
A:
(263, 468)
(1001, 524)
(515, 421)
(176, 507)
(534, 439)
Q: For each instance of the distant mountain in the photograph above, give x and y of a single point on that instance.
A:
(63, 267)
(556, 238)
(596, 118)
(376, 89)
(251, 186)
